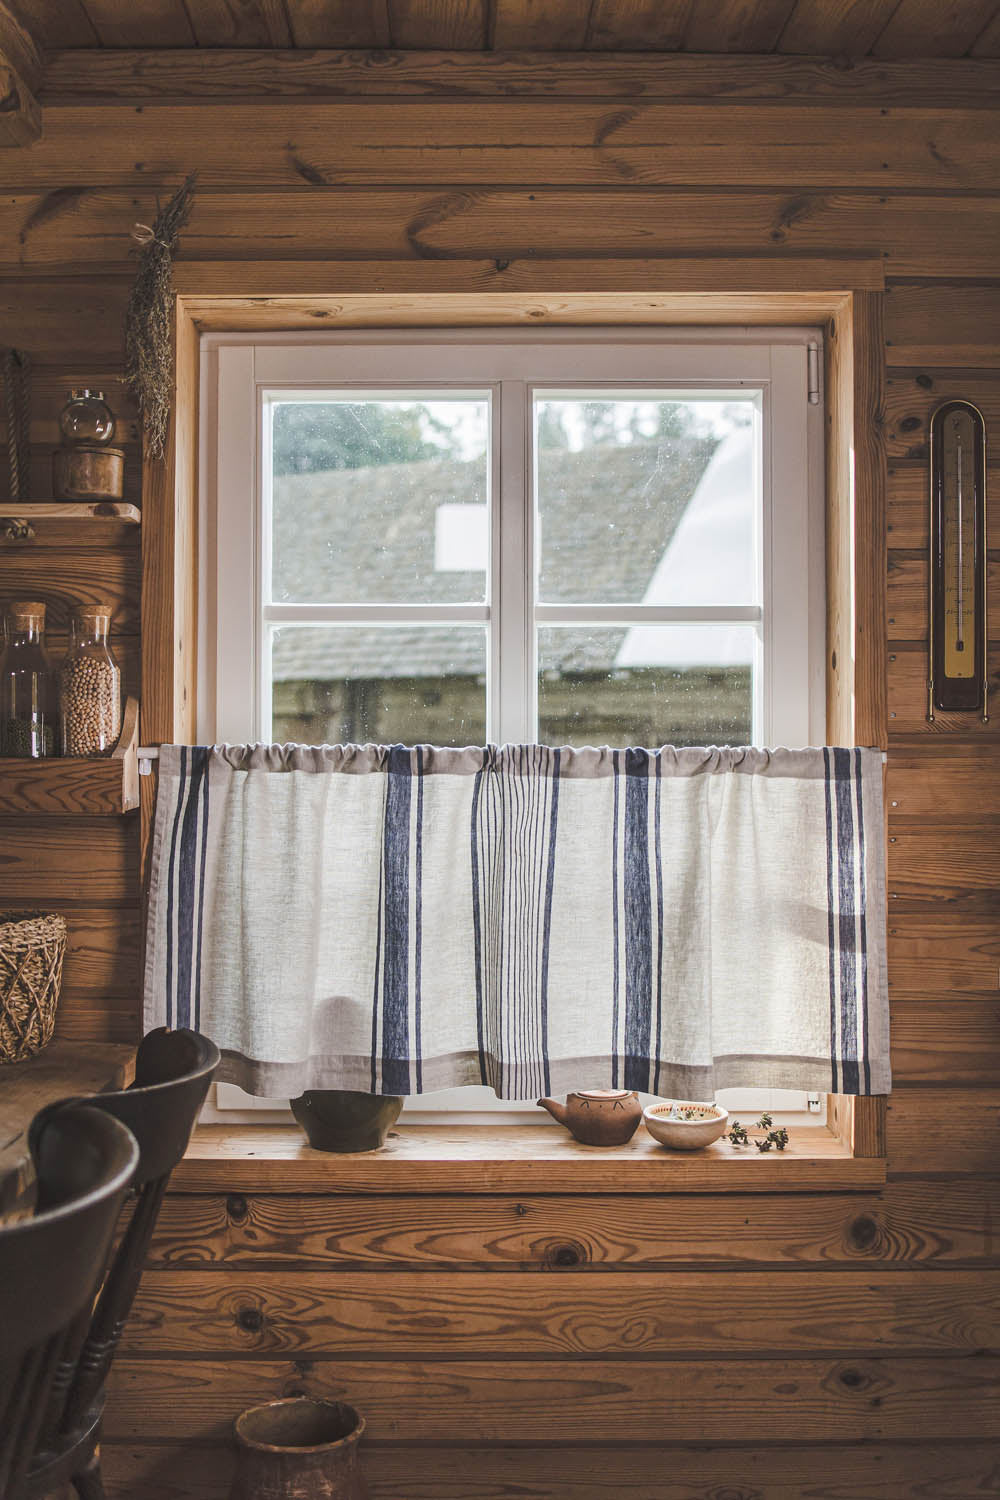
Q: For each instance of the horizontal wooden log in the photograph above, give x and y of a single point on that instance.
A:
(890, 1471)
(81, 225)
(43, 861)
(574, 1400)
(954, 783)
(65, 577)
(907, 687)
(545, 142)
(934, 954)
(85, 1017)
(71, 319)
(951, 1040)
(912, 395)
(63, 786)
(946, 1224)
(943, 323)
(953, 867)
(473, 1159)
(508, 1315)
(944, 1130)
(91, 74)
(906, 600)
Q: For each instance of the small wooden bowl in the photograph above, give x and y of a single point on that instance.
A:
(685, 1135)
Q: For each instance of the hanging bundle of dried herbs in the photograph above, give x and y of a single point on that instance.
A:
(148, 324)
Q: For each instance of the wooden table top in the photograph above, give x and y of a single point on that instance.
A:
(59, 1071)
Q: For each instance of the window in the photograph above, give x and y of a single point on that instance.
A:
(568, 535)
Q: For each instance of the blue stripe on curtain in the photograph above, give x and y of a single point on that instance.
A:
(638, 922)
(550, 876)
(863, 921)
(659, 923)
(477, 929)
(847, 925)
(615, 995)
(190, 889)
(831, 947)
(171, 1019)
(396, 928)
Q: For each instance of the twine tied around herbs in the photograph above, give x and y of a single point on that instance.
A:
(149, 352)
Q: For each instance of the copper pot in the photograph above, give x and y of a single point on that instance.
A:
(299, 1449)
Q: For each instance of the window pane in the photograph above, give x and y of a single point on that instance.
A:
(646, 501)
(384, 684)
(646, 685)
(380, 501)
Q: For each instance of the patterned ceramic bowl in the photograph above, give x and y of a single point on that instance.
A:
(684, 1126)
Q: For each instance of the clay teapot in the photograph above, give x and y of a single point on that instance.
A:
(598, 1117)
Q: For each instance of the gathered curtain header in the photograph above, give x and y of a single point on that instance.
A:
(404, 919)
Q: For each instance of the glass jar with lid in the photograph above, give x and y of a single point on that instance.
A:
(87, 418)
(29, 699)
(90, 693)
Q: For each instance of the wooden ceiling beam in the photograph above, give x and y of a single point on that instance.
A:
(20, 70)
(90, 75)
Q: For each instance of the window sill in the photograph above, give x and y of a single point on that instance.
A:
(514, 1159)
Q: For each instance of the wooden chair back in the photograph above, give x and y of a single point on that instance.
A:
(85, 1161)
(173, 1072)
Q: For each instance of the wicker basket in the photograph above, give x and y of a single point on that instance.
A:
(32, 946)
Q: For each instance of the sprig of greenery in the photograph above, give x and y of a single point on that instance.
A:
(777, 1139)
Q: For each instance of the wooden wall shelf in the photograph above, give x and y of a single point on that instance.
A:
(19, 519)
(70, 785)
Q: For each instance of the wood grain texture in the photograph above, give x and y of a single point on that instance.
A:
(869, 502)
(574, 1401)
(953, 867)
(842, 28)
(66, 786)
(916, 29)
(897, 1471)
(951, 1040)
(65, 577)
(914, 1224)
(945, 783)
(443, 1159)
(469, 293)
(118, 27)
(941, 954)
(507, 1315)
(93, 75)
(42, 858)
(544, 142)
(953, 1131)
(82, 226)
(935, 323)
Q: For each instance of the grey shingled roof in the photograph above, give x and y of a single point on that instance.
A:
(610, 513)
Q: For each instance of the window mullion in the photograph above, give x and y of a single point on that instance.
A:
(512, 715)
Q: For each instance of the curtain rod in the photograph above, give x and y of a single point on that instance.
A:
(148, 753)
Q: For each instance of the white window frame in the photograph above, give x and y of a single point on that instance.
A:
(240, 372)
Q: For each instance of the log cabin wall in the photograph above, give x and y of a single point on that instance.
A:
(678, 1348)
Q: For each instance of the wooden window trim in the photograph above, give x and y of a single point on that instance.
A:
(846, 297)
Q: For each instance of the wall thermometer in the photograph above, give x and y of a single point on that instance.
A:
(958, 674)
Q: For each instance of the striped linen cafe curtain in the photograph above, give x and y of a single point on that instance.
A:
(400, 920)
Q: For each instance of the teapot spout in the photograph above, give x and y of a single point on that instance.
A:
(556, 1110)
